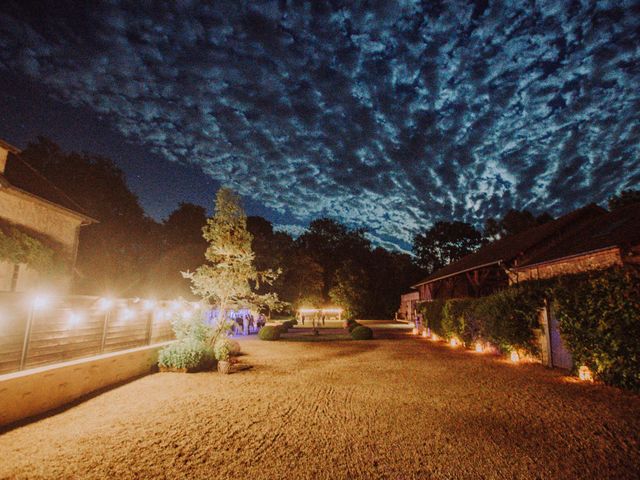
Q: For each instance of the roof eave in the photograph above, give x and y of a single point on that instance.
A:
(495, 262)
(86, 219)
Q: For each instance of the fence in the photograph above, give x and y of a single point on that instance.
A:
(41, 331)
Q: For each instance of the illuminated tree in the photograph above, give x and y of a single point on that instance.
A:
(229, 279)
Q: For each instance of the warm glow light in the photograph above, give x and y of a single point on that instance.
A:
(40, 302)
(515, 358)
(74, 318)
(148, 304)
(308, 310)
(332, 310)
(479, 347)
(585, 374)
(105, 303)
(454, 342)
(434, 337)
(414, 331)
(425, 334)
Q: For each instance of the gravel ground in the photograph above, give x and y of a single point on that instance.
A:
(394, 408)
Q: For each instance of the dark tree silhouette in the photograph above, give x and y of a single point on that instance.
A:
(443, 243)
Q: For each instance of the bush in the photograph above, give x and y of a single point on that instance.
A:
(432, 313)
(599, 316)
(351, 324)
(270, 332)
(459, 319)
(361, 332)
(190, 354)
(225, 347)
(287, 324)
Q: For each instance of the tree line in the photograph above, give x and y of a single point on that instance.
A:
(129, 253)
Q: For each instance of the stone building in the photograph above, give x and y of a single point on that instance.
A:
(34, 208)
(490, 268)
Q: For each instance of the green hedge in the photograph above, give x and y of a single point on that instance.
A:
(598, 312)
(362, 333)
(432, 312)
(270, 332)
(599, 316)
(187, 353)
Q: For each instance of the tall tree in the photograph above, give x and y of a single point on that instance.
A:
(513, 222)
(229, 278)
(443, 243)
(626, 197)
(113, 255)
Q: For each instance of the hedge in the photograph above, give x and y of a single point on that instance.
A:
(270, 332)
(598, 313)
(362, 333)
(599, 316)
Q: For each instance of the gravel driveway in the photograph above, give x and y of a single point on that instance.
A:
(394, 408)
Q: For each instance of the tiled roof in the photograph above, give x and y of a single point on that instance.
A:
(620, 228)
(508, 249)
(21, 175)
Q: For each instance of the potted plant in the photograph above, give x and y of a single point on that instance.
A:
(222, 351)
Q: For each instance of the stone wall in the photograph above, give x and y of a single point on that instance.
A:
(33, 392)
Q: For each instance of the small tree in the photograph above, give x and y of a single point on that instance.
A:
(229, 278)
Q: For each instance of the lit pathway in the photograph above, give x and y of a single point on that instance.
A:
(400, 408)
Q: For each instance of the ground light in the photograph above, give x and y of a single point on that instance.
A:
(585, 374)
(454, 342)
(434, 337)
(515, 358)
(479, 347)
(425, 334)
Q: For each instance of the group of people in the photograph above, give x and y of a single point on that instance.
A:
(247, 323)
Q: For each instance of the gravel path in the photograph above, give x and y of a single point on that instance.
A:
(394, 408)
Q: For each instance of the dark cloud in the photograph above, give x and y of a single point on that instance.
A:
(389, 116)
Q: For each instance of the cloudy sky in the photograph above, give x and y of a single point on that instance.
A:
(389, 115)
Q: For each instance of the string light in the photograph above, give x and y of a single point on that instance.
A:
(148, 304)
(126, 313)
(40, 301)
(74, 319)
(105, 303)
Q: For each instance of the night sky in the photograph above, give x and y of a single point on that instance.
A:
(388, 116)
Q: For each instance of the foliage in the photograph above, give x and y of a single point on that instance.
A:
(192, 327)
(229, 278)
(508, 318)
(352, 324)
(269, 332)
(19, 247)
(626, 197)
(459, 319)
(514, 221)
(432, 312)
(222, 349)
(186, 353)
(599, 316)
(445, 242)
(362, 333)
(287, 324)
(349, 290)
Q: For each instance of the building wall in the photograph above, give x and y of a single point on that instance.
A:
(578, 264)
(62, 228)
(408, 305)
(23, 210)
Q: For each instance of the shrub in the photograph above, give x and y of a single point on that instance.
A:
(599, 316)
(351, 324)
(287, 324)
(432, 313)
(459, 319)
(190, 354)
(223, 348)
(508, 318)
(361, 332)
(269, 332)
